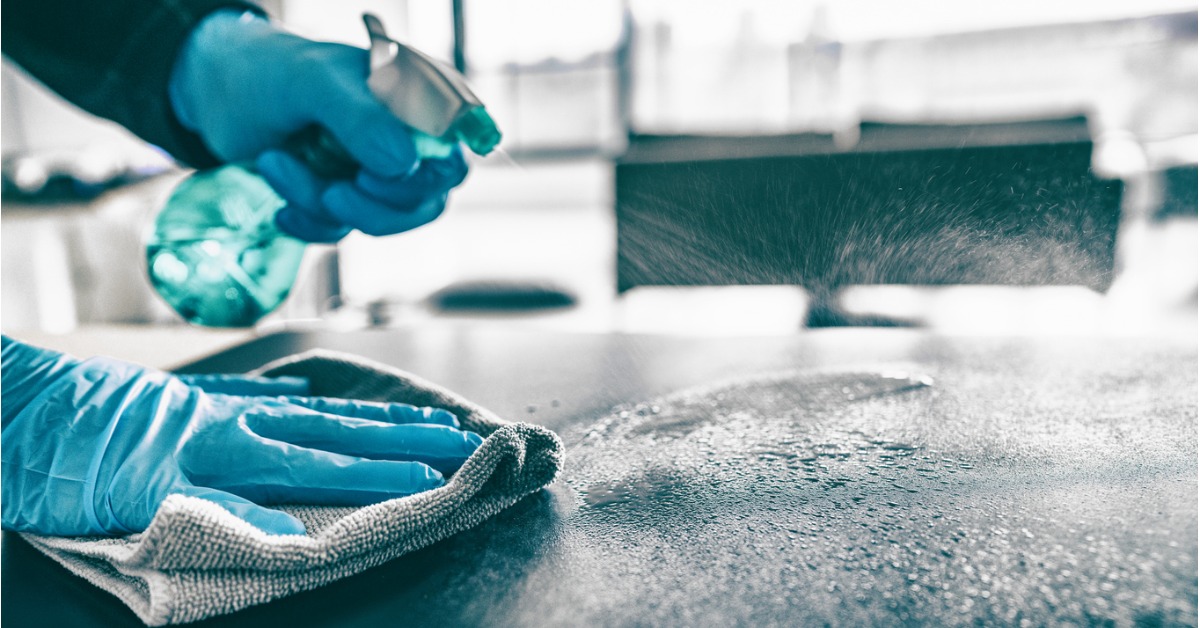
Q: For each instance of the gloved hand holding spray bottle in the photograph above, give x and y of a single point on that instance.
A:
(222, 252)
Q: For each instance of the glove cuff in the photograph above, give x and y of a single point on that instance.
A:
(26, 372)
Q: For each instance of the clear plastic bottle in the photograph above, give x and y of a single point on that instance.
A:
(216, 256)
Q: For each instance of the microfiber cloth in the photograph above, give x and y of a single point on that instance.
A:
(197, 560)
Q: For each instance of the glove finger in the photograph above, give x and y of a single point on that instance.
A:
(448, 171)
(291, 179)
(433, 176)
(363, 212)
(303, 226)
(304, 216)
(439, 446)
(279, 472)
(266, 519)
(365, 127)
(248, 386)
(395, 413)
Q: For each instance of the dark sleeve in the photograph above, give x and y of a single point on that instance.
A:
(112, 58)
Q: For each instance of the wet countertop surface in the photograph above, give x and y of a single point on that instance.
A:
(844, 477)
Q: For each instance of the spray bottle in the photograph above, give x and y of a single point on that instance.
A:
(216, 255)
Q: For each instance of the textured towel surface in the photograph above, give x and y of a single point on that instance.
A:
(196, 560)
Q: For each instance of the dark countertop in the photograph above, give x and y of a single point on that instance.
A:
(1038, 480)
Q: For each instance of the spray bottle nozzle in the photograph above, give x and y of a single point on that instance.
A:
(478, 131)
(427, 95)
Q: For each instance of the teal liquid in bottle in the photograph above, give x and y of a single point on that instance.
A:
(215, 255)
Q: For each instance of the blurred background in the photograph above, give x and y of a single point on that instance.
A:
(751, 167)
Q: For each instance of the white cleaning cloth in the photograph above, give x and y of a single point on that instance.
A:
(196, 560)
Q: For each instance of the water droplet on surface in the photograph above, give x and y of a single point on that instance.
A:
(730, 488)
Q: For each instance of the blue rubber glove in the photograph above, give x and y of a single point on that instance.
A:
(93, 447)
(244, 86)
(248, 386)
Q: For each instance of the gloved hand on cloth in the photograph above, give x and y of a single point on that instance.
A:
(92, 447)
